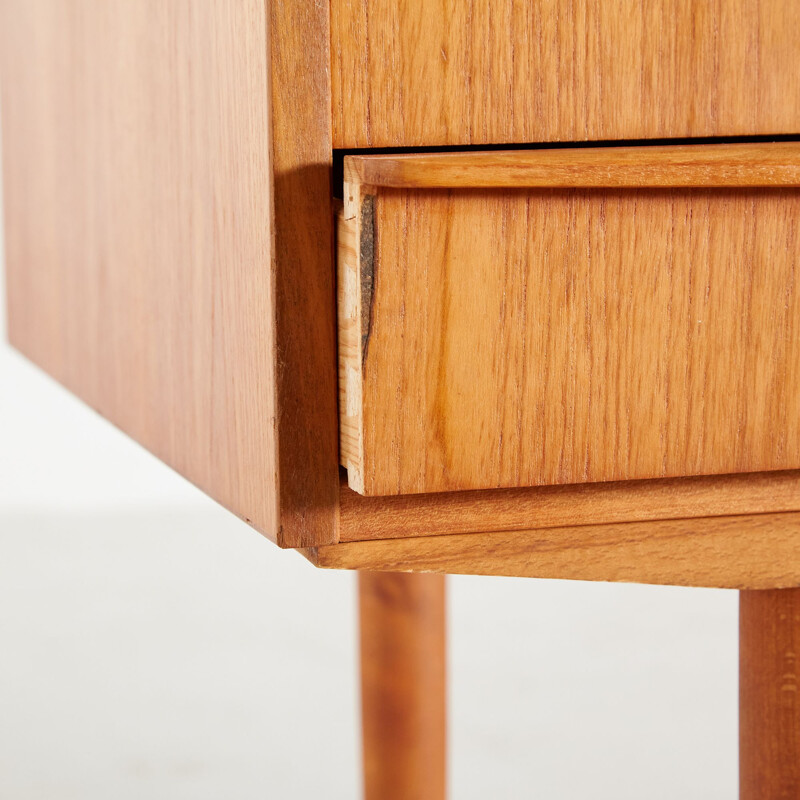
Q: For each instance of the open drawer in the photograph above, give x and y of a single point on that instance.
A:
(568, 316)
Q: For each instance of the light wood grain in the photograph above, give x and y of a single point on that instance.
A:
(769, 694)
(494, 71)
(403, 685)
(168, 260)
(738, 552)
(362, 518)
(711, 166)
(352, 328)
(534, 337)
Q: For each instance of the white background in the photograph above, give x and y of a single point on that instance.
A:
(153, 646)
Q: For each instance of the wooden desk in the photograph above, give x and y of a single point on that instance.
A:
(552, 333)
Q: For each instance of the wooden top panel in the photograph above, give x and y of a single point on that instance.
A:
(500, 71)
(711, 166)
(149, 232)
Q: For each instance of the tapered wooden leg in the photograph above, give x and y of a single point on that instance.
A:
(403, 688)
(769, 695)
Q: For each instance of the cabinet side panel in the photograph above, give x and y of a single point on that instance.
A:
(139, 226)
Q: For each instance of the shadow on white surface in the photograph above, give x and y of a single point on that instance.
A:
(171, 654)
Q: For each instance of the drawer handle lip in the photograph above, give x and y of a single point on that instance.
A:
(715, 166)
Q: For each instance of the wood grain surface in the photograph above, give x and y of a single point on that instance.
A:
(769, 694)
(392, 517)
(304, 272)
(403, 685)
(711, 166)
(498, 338)
(494, 71)
(760, 551)
(167, 259)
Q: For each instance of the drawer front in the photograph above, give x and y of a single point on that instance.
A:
(569, 316)
(504, 71)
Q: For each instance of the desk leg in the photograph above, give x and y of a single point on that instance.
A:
(403, 688)
(769, 695)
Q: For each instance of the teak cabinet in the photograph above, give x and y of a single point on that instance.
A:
(499, 287)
